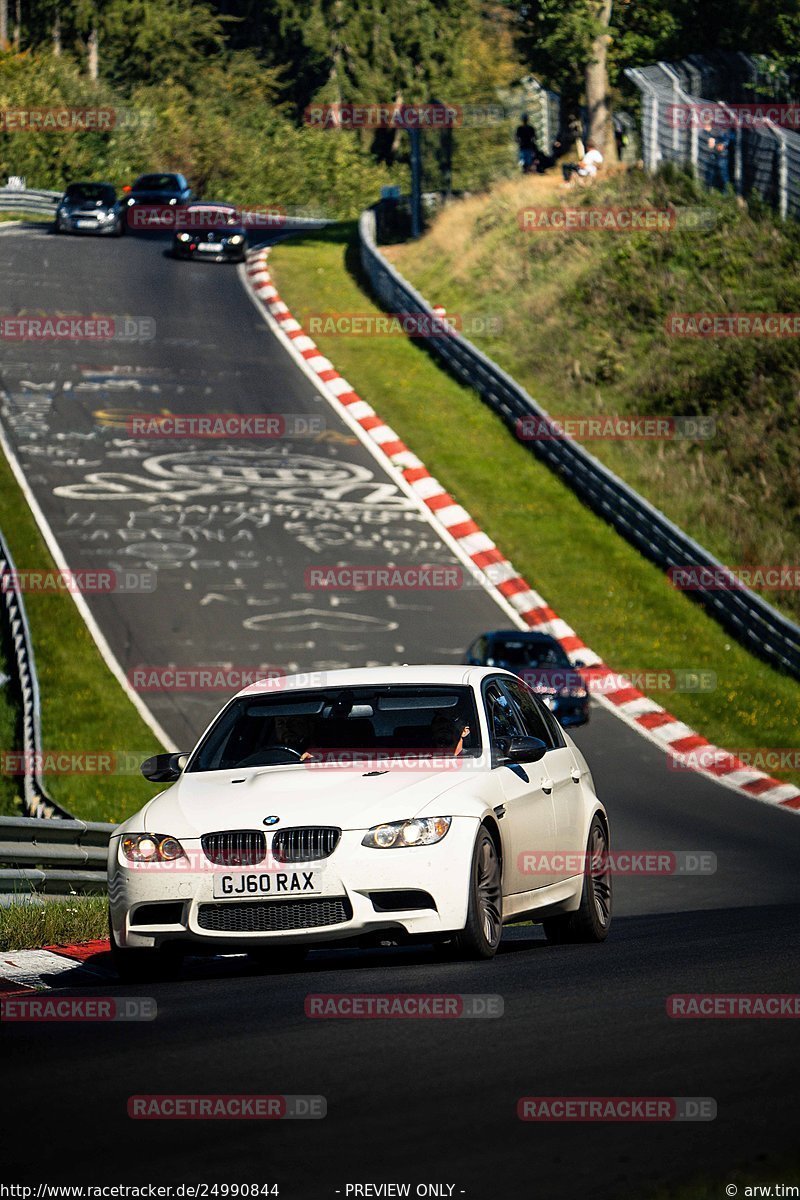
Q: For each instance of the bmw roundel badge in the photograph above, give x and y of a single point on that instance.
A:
(271, 820)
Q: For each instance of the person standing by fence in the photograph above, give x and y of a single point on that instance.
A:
(526, 140)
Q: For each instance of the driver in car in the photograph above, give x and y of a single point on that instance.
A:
(448, 733)
(296, 733)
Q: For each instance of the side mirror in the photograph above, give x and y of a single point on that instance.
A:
(164, 768)
(578, 663)
(524, 749)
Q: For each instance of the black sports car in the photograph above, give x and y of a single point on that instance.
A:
(539, 660)
(152, 193)
(89, 208)
(210, 230)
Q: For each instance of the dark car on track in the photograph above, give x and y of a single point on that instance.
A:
(89, 208)
(210, 230)
(539, 660)
(158, 190)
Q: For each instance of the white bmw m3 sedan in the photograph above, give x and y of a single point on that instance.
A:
(368, 805)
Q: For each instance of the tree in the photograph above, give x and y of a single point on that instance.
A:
(601, 129)
(581, 47)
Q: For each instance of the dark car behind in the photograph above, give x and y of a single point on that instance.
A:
(89, 208)
(539, 660)
(158, 190)
(210, 230)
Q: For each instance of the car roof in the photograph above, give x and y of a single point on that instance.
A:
(156, 174)
(412, 676)
(89, 183)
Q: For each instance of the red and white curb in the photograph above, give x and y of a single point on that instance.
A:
(23, 971)
(498, 575)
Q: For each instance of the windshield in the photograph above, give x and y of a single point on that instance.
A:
(522, 653)
(91, 193)
(209, 216)
(157, 183)
(340, 725)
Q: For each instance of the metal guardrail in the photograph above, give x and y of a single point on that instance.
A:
(15, 200)
(750, 619)
(17, 636)
(52, 858)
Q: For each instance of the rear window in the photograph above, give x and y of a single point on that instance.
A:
(157, 183)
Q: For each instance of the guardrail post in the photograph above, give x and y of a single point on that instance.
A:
(694, 152)
(416, 182)
(654, 147)
(783, 173)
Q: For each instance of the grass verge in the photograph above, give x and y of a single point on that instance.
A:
(53, 923)
(621, 605)
(83, 707)
(21, 216)
(582, 320)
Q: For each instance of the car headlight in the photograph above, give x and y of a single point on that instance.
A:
(573, 694)
(131, 200)
(151, 847)
(184, 237)
(236, 239)
(109, 216)
(422, 831)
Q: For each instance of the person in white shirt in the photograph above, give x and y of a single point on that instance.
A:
(588, 166)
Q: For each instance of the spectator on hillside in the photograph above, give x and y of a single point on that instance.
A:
(585, 169)
(708, 142)
(723, 141)
(528, 150)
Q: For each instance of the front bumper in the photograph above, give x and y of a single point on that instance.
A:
(70, 225)
(355, 883)
(224, 254)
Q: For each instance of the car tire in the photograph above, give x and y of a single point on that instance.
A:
(141, 966)
(483, 930)
(592, 920)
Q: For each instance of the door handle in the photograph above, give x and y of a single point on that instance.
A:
(576, 775)
(547, 786)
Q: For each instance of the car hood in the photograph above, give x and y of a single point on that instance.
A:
(86, 206)
(347, 797)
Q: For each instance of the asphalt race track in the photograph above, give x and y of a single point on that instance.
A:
(411, 1101)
